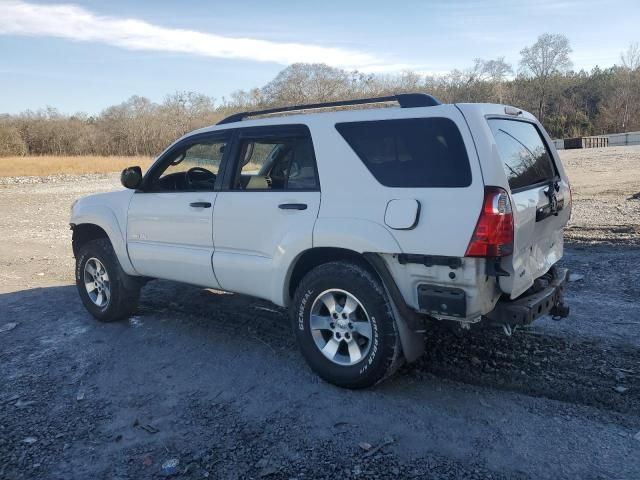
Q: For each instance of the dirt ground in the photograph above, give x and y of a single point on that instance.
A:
(76, 165)
(604, 181)
(215, 382)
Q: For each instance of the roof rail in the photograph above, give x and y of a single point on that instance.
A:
(406, 100)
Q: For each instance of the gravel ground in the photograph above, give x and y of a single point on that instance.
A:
(215, 382)
(606, 187)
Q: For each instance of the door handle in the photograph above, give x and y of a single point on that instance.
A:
(200, 204)
(293, 206)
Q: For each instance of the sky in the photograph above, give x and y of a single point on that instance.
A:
(85, 55)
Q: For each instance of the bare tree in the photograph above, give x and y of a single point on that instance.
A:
(568, 103)
(304, 83)
(11, 143)
(547, 57)
(244, 99)
(631, 58)
(186, 110)
(631, 70)
(496, 71)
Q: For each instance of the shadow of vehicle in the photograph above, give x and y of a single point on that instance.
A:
(183, 317)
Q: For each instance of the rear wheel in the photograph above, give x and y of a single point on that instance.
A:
(345, 326)
(106, 291)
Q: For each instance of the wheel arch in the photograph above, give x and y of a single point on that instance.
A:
(90, 227)
(316, 256)
(84, 233)
(338, 239)
(410, 324)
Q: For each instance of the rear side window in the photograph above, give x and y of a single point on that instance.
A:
(525, 159)
(274, 162)
(417, 152)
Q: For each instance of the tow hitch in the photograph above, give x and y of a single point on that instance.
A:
(559, 311)
(509, 314)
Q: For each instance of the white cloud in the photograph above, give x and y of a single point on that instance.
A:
(78, 24)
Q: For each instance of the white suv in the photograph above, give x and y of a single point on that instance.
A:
(364, 223)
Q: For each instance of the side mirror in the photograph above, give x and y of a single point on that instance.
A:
(131, 177)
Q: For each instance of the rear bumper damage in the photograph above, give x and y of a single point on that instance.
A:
(546, 300)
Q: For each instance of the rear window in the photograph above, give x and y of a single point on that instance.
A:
(525, 158)
(420, 152)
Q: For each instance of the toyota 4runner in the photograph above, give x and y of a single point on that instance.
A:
(364, 223)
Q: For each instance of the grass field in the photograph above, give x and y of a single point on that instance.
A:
(52, 165)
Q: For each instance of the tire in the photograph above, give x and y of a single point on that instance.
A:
(380, 355)
(120, 292)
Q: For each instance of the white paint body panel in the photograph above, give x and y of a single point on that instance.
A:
(538, 245)
(256, 241)
(167, 238)
(352, 193)
(355, 234)
(402, 213)
(109, 212)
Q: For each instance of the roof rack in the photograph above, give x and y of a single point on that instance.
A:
(406, 100)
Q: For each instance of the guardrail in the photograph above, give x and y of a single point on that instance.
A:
(598, 141)
(631, 138)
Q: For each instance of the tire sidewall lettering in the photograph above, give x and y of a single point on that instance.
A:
(302, 309)
(80, 266)
(383, 348)
(374, 348)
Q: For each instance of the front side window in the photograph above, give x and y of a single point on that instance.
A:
(525, 159)
(416, 152)
(276, 163)
(192, 168)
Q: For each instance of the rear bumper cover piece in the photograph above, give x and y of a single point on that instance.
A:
(524, 310)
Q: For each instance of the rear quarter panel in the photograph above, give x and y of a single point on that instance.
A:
(350, 193)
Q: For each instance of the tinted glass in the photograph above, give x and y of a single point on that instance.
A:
(525, 158)
(302, 172)
(422, 152)
(273, 163)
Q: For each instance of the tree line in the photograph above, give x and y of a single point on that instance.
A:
(568, 103)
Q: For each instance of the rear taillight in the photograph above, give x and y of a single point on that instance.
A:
(493, 236)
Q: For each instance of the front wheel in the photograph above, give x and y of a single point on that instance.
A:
(106, 291)
(345, 326)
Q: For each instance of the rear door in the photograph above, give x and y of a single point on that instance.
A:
(540, 198)
(265, 213)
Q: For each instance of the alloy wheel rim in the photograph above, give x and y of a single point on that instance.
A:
(341, 327)
(96, 282)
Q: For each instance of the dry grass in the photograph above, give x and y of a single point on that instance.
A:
(52, 165)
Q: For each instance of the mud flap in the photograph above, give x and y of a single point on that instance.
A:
(412, 341)
(410, 328)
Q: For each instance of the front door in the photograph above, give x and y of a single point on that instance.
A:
(265, 215)
(170, 221)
